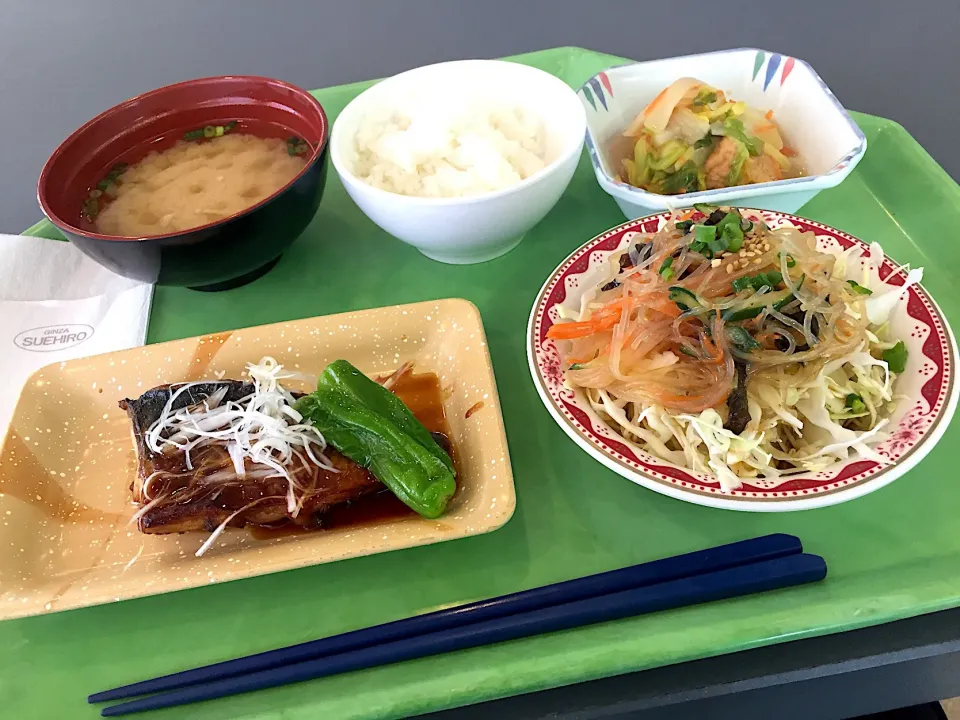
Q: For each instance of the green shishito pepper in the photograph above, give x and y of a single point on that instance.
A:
(371, 426)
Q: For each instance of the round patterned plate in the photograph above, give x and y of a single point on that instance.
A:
(927, 387)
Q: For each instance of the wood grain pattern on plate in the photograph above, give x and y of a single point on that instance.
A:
(67, 462)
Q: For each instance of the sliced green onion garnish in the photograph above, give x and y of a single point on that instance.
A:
(896, 357)
(855, 403)
(210, 131)
(705, 233)
(755, 282)
(296, 146)
(858, 288)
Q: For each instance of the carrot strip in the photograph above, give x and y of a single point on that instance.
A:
(656, 101)
(609, 315)
(788, 152)
(603, 319)
(686, 215)
(765, 127)
(769, 114)
(716, 354)
(666, 307)
(573, 330)
(662, 304)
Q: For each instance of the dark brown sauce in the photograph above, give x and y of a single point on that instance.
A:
(374, 509)
(421, 393)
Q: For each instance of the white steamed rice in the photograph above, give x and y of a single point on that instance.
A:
(445, 147)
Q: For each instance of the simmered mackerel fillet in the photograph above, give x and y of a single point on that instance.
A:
(204, 497)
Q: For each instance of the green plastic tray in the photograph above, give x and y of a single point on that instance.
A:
(892, 554)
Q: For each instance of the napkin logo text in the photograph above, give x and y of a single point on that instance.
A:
(53, 337)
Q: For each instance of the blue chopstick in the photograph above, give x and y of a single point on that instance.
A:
(731, 582)
(695, 563)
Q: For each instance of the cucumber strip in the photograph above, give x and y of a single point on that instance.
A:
(685, 299)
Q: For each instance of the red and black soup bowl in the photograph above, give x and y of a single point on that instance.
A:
(221, 254)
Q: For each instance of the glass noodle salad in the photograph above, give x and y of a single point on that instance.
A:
(692, 137)
(727, 347)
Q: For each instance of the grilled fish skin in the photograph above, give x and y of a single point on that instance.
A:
(191, 504)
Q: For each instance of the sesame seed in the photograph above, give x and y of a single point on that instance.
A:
(729, 269)
(750, 253)
(715, 262)
(758, 261)
(742, 253)
(766, 247)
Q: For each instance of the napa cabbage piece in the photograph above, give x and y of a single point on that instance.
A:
(864, 269)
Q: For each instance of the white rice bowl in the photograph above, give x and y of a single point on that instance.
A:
(460, 159)
(430, 144)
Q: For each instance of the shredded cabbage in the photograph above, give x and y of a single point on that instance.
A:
(823, 395)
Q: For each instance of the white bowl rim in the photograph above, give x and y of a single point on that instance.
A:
(833, 176)
(557, 162)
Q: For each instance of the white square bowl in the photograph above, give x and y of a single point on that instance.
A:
(813, 121)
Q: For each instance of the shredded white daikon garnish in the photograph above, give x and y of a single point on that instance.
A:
(222, 526)
(262, 428)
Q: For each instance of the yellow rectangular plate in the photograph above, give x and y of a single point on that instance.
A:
(68, 459)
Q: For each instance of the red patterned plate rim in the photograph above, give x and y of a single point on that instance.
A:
(916, 432)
